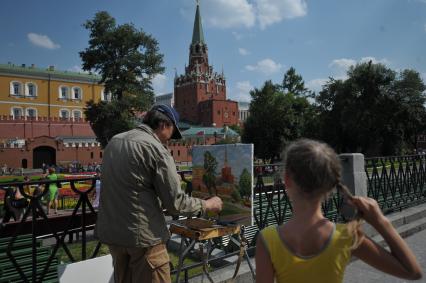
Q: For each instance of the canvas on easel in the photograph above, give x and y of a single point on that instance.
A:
(226, 171)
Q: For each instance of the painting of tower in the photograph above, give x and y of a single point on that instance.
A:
(227, 176)
(200, 93)
(227, 171)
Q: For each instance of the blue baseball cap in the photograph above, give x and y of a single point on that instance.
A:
(172, 114)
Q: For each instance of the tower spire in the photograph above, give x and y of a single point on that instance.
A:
(198, 35)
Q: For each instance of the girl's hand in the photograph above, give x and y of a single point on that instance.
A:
(368, 209)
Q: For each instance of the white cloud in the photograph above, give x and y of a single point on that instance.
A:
(342, 63)
(159, 84)
(42, 41)
(274, 11)
(316, 84)
(223, 13)
(341, 66)
(265, 66)
(242, 92)
(245, 13)
(243, 51)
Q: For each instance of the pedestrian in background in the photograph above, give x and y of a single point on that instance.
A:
(53, 191)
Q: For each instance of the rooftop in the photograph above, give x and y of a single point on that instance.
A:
(32, 70)
(209, 131)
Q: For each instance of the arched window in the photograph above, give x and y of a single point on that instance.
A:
(17, 112)
(31, 89)
(63, 92)
(31, 113)
(15, 88)
(76, 114)
(77, 93)
(64, 113)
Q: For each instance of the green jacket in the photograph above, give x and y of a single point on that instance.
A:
(138, 179)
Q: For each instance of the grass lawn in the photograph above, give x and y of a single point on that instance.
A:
(75, 250)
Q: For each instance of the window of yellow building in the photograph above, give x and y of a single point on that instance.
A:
(31, 89)
(17, 112)
(15, 88)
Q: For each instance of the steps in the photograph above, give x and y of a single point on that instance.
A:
(22, 252)
(407, 222)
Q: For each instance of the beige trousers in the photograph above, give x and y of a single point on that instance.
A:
(134, 265)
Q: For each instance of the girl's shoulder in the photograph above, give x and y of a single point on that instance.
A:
(269, 232)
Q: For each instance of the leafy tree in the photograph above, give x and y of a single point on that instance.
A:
(408, 91)
(236, 128)
(245, 184)
(294, 83)
(209, 177)
(275, 119)
(373, 111)
(126, 59)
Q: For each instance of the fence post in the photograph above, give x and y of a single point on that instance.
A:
(355, 178)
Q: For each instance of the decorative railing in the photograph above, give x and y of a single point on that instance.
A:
(36, 222)
(396, 182)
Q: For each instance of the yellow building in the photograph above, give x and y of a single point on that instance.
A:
(28, 91)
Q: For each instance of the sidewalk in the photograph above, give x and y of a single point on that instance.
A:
(359, 272)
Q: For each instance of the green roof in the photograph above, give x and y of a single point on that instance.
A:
(208, 131)
(198, 35)
(34, 71)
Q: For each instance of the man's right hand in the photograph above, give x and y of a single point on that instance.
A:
(214, 204)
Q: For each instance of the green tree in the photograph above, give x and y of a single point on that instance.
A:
(275, 119)
(209, 176)
(126, 59)
(373, 111)
(237, 129)
(245, 184)
(294, 83)
(409, 94)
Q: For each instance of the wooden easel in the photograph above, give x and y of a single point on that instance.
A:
(203, 232)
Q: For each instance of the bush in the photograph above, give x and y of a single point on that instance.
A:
(235, 195)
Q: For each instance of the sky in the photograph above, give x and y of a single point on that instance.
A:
(252, 41)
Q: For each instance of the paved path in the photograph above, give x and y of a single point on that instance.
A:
(359, 272)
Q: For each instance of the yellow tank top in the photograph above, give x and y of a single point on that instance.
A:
(328, 266)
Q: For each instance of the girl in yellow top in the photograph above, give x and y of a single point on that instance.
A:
(310, 248)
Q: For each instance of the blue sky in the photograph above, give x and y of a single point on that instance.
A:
(252, 40)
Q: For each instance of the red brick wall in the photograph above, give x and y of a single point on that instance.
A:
(42, 133)
(189, 96)
(220, 112)
(42, 127)
(13, 156)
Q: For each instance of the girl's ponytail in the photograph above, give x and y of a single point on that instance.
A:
(354, 225)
